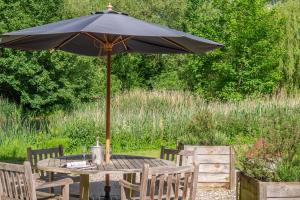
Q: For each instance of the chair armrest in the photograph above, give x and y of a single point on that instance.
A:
(62, 182)
(128, 185)
(36, 176)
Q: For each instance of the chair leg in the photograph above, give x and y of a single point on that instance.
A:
(65, 192)
(123, 193)
(51, 178)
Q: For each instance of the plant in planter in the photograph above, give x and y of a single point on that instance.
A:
(271, 168)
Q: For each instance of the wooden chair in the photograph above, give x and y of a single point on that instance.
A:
(184, 155)
(17, 183)
(165, 183)
(170, 154)
(33, 156)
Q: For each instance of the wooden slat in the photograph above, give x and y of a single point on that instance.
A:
(19, 180)
(214, 168)
(176, 187)
(133, 163)
(127, 163)
(152, 187)
(116, 164)
(144, 181)
(288, 198)
(169, 186)
(8, 184)
(185, 186)
(232, 172)
(249, 188)
(209, 150)
(161, 186)
(283, 190)
(122, 162)
(15, 185)
(3, 182)
(45, 151)
(164, 170)
(217, 178)
(211, 159)
(11, 167)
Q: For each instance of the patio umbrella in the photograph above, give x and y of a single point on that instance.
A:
(104, 34)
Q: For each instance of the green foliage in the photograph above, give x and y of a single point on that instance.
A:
(251, 63)
(290, 43)
(42, 81)
(248, 63)
(80, 132)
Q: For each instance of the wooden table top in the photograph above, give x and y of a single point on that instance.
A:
(118, 164)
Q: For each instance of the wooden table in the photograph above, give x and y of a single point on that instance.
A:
(123, 164)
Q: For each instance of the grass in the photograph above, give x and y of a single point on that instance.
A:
(147, 153)
(142, 121)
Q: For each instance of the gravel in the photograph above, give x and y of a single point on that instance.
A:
(97, 185)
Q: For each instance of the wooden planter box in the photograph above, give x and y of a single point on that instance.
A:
(253, 189)
(216, 165)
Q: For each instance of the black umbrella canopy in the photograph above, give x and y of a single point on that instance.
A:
(91, 35)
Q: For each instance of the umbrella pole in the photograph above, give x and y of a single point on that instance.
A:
(107, 143)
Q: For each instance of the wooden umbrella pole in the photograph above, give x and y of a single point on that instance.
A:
(108, 49)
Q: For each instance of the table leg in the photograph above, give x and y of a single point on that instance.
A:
(84, 186)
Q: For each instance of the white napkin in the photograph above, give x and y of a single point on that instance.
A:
(77, 164)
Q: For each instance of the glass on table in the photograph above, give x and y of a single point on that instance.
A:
(84, 151)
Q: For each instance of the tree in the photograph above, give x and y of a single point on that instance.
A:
(43, 81)
(290, 43)
(248, 64)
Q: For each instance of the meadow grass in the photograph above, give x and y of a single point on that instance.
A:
(142, 121)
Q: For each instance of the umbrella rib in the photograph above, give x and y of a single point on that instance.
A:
(124, 44)
(114, 41)
(176, 44)
(158, 45)
(15, 40)
(93, 37)
(66, 41)
(123, 40)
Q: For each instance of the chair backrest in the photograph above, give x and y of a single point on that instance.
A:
(33, 156)
(171, 154)
(16, 182)
(168, 154)
(169, 182)
(184, 156)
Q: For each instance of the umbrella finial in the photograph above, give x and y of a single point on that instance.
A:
(109, 7)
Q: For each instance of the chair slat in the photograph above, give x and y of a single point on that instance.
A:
(165, 183)
(161, 187)
(15, 185)
(20, 184)
(152, 187)
(185, 186)
(169, 186)
(176, 187)
(8, 184)
(2, 182)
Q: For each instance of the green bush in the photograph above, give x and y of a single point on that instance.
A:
(81, 132)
